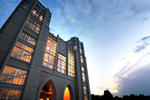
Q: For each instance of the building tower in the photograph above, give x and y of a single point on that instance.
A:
(35, 64)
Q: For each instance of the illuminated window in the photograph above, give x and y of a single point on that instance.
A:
(75, 47)
(71, 71)
(47, 92)
(83, 77)
(6, 94)
(38, 12)
(22, 52)
(61, 66)
(84, 90)
(49, 56)
(41, 18)
(34, 12)
(13, 75)
(67, 95)
(81, 59)
(27, 38)
(85, 98)
(83, 74)
(33, 25)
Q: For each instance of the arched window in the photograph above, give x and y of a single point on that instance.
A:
(47, 92)
(68, 93)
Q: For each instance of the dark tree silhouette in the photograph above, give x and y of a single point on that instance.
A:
(108, 96)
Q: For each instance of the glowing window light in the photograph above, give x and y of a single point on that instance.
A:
(71, 71)
(41, 18)
(67, 94)
(34, 12)
(49, 56)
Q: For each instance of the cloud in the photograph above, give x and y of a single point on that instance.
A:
(137, 85)
(142, 44)
(133, 78)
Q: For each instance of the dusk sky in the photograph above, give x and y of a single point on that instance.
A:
(116, 36)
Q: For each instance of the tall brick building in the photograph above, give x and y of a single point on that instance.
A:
(35, 64)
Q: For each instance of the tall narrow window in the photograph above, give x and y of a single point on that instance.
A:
(61, 66)
(71, 71)
(13, 75)
(80, 48)
(22, 52)
(83, 74)
(85, 90)
(24, 36)
(81, 58)
(33, 25)
(67, 95)
(49, 56)
(8, 94)
(85, 98)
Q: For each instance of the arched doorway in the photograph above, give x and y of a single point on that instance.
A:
(67, 93)
(47, 92)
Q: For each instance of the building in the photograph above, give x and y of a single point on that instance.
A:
(35, 64)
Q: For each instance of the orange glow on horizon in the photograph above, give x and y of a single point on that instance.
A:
(67, 94)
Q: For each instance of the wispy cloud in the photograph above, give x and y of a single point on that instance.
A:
(135, 68)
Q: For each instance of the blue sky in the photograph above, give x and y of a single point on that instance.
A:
(115, 34)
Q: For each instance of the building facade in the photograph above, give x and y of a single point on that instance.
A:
(35, 64)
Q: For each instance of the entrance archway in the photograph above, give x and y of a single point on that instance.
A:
(68, 93)
(47, 92)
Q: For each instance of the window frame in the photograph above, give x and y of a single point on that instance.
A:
(12, 73)
(62, 62)
(22, 52)
(71, 64)
(50, 53)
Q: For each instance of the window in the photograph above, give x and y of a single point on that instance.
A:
(81, 58)
(80, 47)
(71, 71)
(25, 3)
(85, 98)
(83, 74)
(8, 94)
(75, 47)
(33, 25)
(38, 12)
(41, 18)
(80, 51)
(27, 38)
(61, 66)
(13, 75)
(49, 56)
(83, 77)
(84, 90)
(67, 94)
(22, 52)
(47, 92)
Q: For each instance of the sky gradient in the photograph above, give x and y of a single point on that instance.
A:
(116, 36)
